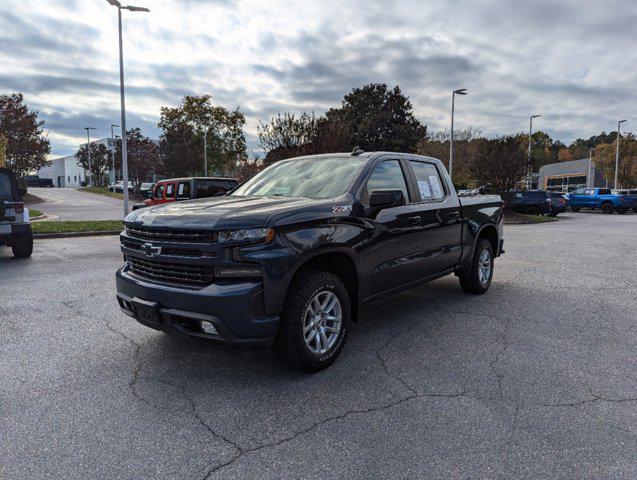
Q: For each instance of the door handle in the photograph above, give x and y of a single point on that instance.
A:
(414, 220)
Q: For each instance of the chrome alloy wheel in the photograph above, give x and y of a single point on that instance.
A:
(484, 267)
(322, 322)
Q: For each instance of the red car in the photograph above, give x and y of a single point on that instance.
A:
(177, 189)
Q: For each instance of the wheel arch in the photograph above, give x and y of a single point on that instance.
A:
(489, 232)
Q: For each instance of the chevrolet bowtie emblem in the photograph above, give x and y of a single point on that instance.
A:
(150, 251)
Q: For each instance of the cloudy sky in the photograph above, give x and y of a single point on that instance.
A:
(575, 62)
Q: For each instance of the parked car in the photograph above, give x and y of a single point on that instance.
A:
(602, 198)
(530, 202)
(117, 187)
(286, 259)
(558, 203)
(15, 229)
(36, 181)
(178, 189)
(145, 190)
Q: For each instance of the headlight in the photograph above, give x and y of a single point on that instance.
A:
(252, 235)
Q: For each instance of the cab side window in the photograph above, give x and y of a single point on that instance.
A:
(159, 191)
(429, 182)
(170, 190)
(386, 176)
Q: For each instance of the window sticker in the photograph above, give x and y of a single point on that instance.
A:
(181, 190)
(423, 186)
(435, 186)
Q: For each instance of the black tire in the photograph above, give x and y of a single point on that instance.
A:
(290, 345)
(574, 209)
(470, 279)
(634, 210)
(22, 245)
(532, 211)
(607, 208)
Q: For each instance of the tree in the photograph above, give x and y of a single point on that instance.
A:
(184, 128)
(287, 135)
(379, 119)
(100, 160)
(3, 150)
(142, 157)
(248, 167)
(502, 162)
(27, 147)
(604, 158)
(564, 155)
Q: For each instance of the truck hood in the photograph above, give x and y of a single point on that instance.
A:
(229, 212)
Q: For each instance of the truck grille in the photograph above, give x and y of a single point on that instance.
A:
(181, 274)
(184, 236)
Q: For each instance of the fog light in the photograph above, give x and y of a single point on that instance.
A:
(209, 328)
(237, 272)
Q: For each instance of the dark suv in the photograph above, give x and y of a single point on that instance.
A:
(530, 202)
(15, 230)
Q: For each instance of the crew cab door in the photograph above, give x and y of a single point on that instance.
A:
(394, 257)
(439, 208)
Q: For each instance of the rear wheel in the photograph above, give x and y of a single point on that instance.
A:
(22, 245)
(314, 322)
(477, 278)
(607, 208)
(532, 211)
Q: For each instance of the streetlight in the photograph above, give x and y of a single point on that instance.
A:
(88, 152)
(205, 152)
(528, 160)
(617, 153)
(121, 7)
(113, 154)
(460, 91)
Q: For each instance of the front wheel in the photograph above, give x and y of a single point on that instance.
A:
(22, 245)
(477, 278)
(607, 208)
(315, 321)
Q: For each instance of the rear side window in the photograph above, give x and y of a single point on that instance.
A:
(170, 190)
(430, 185)
(388, 175)
(603, 191)
(5, 187)
(183, 190)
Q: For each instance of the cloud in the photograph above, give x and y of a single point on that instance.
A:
(569, 60)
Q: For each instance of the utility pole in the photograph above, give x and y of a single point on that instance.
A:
(205, 152)
(460, 91)
(619, 124)
(590, 184)
(113, 154)
(88, 152)
(529, 169)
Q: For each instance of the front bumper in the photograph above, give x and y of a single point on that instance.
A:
(233, 308)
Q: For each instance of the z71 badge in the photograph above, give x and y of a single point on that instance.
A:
(342, 209)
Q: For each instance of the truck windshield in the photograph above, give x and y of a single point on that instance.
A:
(5, 187)
(317, 177)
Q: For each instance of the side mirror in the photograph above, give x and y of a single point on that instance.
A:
(386, 198)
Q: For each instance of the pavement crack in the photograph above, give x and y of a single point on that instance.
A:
(496, 358)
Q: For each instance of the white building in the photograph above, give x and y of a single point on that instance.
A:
(65, 171)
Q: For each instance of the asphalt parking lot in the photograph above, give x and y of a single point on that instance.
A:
(535, 379)
(73, 204)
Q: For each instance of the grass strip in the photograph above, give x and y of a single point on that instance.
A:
(76, 226)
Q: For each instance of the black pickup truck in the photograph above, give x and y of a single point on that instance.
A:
(286, 259)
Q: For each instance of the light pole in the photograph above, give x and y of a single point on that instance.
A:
(121, 7)
(205, 152)
(617, 153)
(113, 154)
(529, 170)
(590, 184)
(460, 91)
(88, 152)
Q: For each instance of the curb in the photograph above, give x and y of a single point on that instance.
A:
(76, 234)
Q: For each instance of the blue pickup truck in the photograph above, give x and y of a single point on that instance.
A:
(602, 198)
